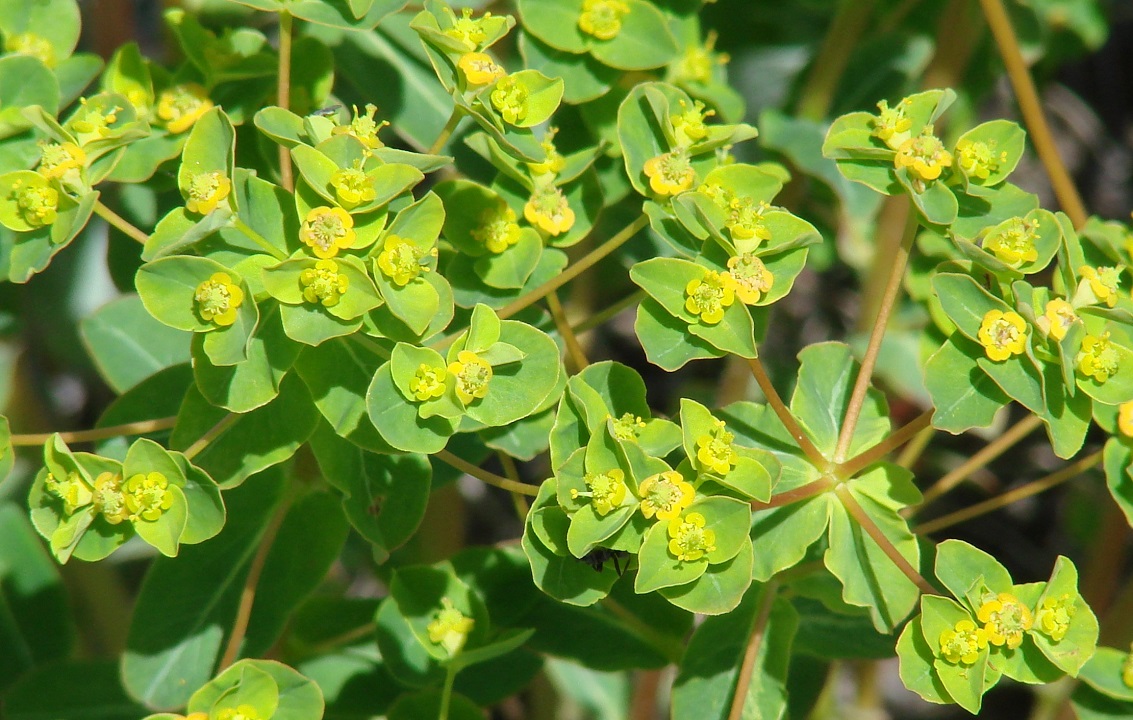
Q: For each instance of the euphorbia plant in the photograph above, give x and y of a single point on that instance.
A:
(334, 301)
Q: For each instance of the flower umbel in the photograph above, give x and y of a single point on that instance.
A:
(688, 124)
(1057, 318)
(665, 495)
(962, 645)
(148, 496)
(1053, 616)
(428, 382)
(181, 105)
(715, 451)
(751, 279)
(28, 43)
(450, 627)
(924, 155)
(467, 30)
(696, 65)
(217, 299)
(1098, 358)
(205, 191)
(109, 500)
(509, 98)
(1003, 334)
(56, 159)
(1005, 620)
(498, 229)
(326, 230)
(473, 375)
(670, 173)
(555, 162)
(1101, 282)
(606, 490)
(688, 540)
(1015, 244)
(627, 427)
(39, 204)
(745, 220)
(71, 489)
(549, 211)
(602, 18)
(891, 126)
(480, 69)
(323, 284)
(978, 159)
(240, 712)
(709, 296)
(352, 187)
(402, 261)
(363, 127)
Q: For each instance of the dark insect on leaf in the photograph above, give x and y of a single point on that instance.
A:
(599, 556)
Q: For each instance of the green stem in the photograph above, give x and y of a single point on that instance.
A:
(446, 692)
(785, 416)
(484, 476)
(895, 440)
(574, 348)
(258, 239)
(747, 668)
(124, 225)
(142, 427)
(213, 433)
(869, 360)
(283, 96)
(594, 320)
(446, 131)
(862, 518)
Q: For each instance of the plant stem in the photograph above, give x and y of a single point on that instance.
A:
(858, 513)
(582, 265)
(1032, 488)
(484, 476)
(914, 449)
(283, 96)
(829, 64)
(446, 132)
(755, 640)
(213, 433)
(446, 692)
(785, 416)
(512, 472)
(573, 347)
(895, 440)
(258, 239)
(885, 308)
(125, 226)
(1031, 108)
(248, 594)
(989, 452)
(141, 427)
(600, 317)
(802, 492)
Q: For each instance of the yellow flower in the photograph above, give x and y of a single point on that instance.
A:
(555, 162)
(1057, 318)
(240, 712)
(670, 173)
(401, 260)
(688, 540)
(696, 65)
(498, 229)
(480, 69)
(744, 219)
(181, 105)
(549, 211)
(923, 155)
(709, 296)
(93, 120)
(38, 204)
(962, 645)
(217, 299)
(109, 500)
(606, 490)
(751, 279)
(449, 627)
(326, 230)
(205, 191)
(1002, 334)
(466, 30)
(473, 375)
(1099, 284)
(602, 18)
(627, 427)
(1054, 615)
(27, 43)
(688, 125)
(715, 451)
(978, 159)
(1005, 620)
(72, 490)
(1098, 358)
(363, 127)
(148, 496)
(509, 98)
(428, 382)
(323, 284)
(1125, 419)
(1015, 244)
(665, 495)
(57, 159)
(352, 187)
(891, 126)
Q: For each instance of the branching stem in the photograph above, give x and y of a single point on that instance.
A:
(125, 226)
(446, 132)
(283, 96)
(862, 518)
(895, 440)
(785, 416)
(574, 349)
(141, 427)
(484, 476)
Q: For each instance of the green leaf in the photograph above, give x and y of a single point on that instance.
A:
(398, 420)
(1072, 651)
(659, 568)
(128, 344)
(1118, 456)
(24, 81)
(167, 288)
(916, 665)
(1104, 672)
(73, 689)
(296, 697)
(665, 338)
(721, 587)
(254, 382)
(964, 683)
(584, 78)
(960, 406)
(826, 376)
(961, 568)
